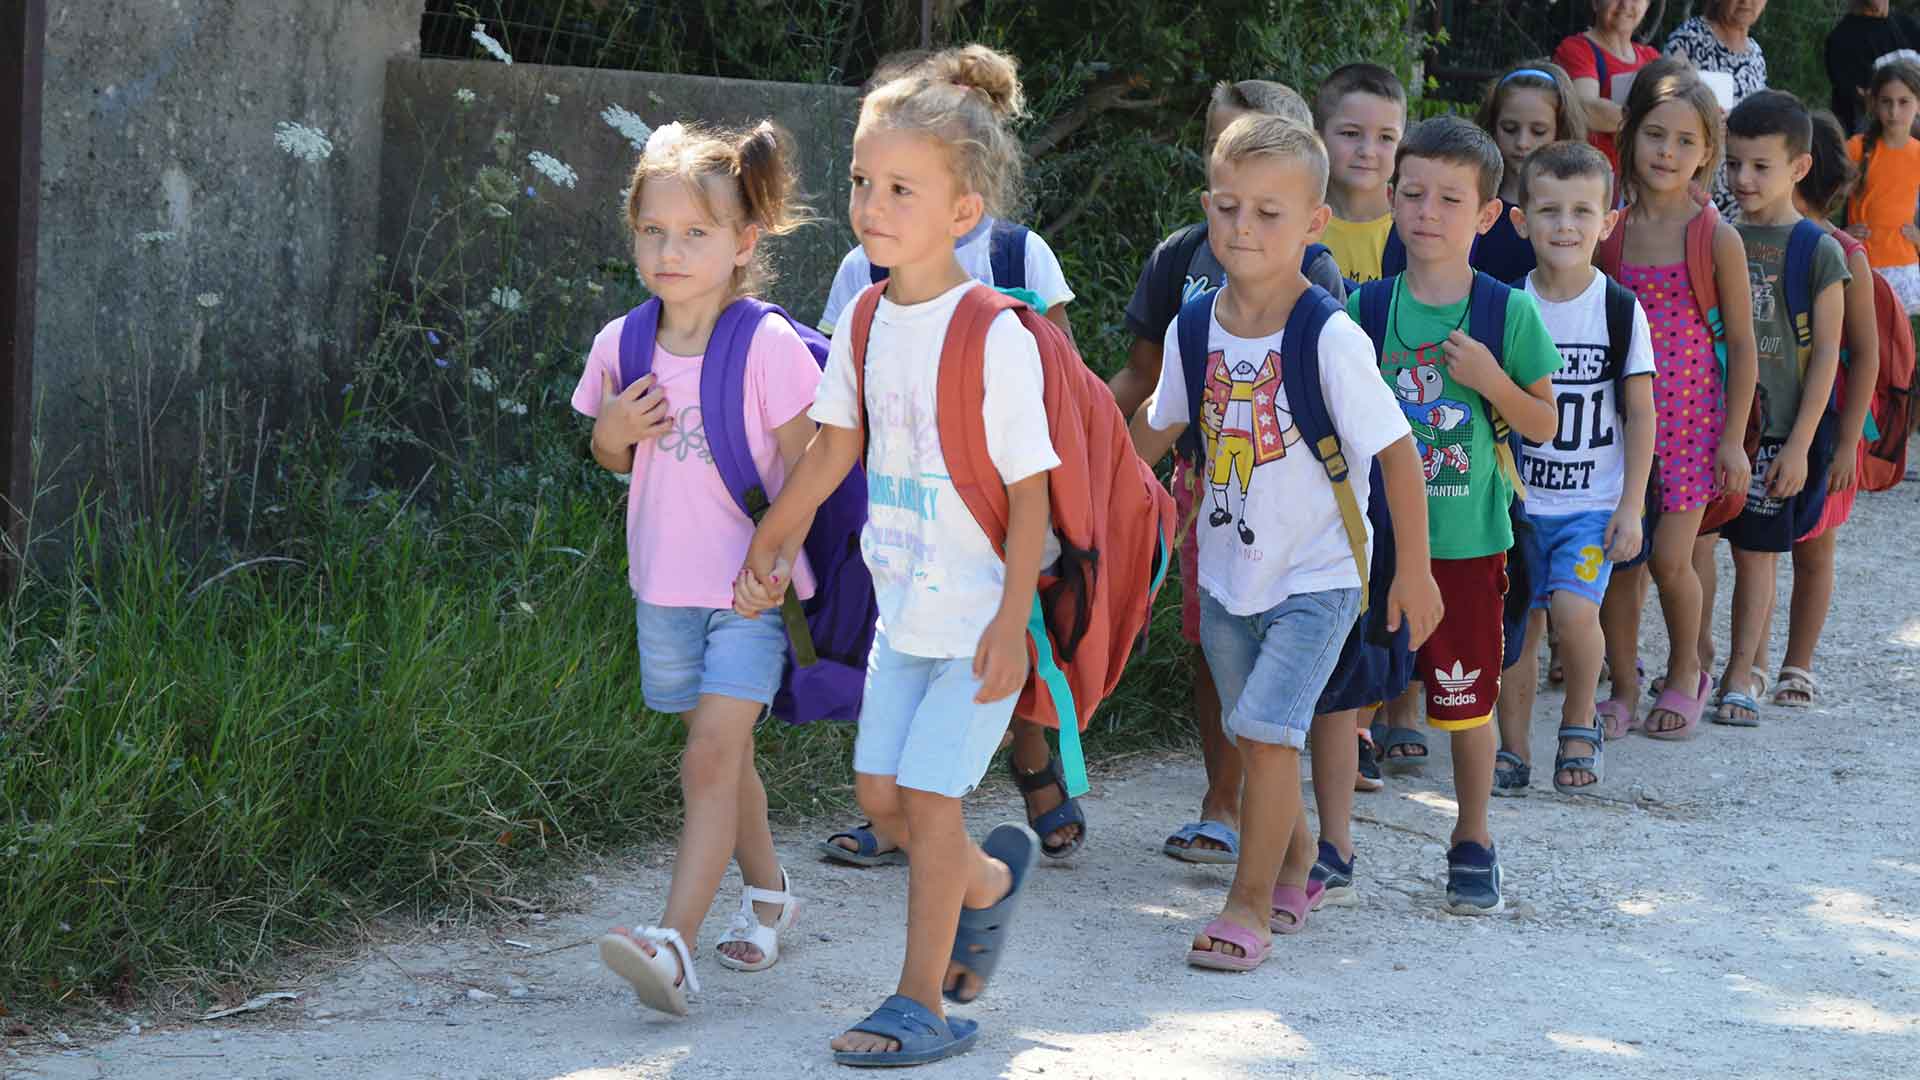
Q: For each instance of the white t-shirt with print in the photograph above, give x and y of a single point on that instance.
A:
(936, 576)
(1584, 467)
(1269, 525)
(975, 252)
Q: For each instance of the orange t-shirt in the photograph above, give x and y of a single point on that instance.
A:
(1886, 199)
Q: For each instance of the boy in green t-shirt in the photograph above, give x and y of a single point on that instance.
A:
(1446, 192)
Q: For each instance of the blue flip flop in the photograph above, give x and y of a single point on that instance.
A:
(982, 935)
(923, 1037)
(1180, 844)
(869, 853)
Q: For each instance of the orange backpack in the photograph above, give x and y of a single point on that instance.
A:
(1706, 296)
(1114, 520)
(1883, 438)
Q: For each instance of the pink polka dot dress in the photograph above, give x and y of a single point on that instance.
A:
(1687, 395)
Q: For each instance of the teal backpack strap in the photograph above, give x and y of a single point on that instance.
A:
(1073, 760)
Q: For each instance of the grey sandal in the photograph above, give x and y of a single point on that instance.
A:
(1594, 762)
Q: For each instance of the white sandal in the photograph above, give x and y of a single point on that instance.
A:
(746, 926)
(653, 976)
(1795, 680)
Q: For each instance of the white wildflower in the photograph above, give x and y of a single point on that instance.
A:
(301, 141)
(505, 299)
(495, 210)
(553, 168)
(596, 288)
(494, 48)
(482, 378)
(512, 407)
(553, 99)
(665, 141)
(161, 237)
(628, 124)
(464, 96)
(208, 299)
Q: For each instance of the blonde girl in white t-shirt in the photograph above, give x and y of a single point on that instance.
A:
(932, 153)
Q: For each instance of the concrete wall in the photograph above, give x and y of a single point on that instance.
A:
(434, 144)
(159, 119)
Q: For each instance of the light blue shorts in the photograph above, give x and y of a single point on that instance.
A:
(688, 652)
(1573, 549)
(919, 723)
(1270, 668)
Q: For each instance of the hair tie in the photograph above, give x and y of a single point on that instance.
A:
(1535, 72)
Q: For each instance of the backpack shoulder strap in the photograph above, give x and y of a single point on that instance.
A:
(1376, 304)
(637, 335)
(1802, 243)
(1007, 254)
(1599, 63)
(1300, 376)
(723, 406)
(1620, 303)
(1311, 256)
(1487, 324)
(1191, 337)
(1701, 276)
(963, 429)
(1393, 256)
(859, 328)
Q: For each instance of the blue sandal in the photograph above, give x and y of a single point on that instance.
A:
(868, 853)
(981, 936)
(923, 1037)
(1403, 763)
(1593, 762)
(1511, 775)
(1180, 844)
(1066, 815)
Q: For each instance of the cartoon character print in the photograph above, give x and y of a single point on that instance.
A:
(1246, 427)
(1442, 427)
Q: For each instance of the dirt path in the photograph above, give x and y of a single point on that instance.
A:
(1744, 904)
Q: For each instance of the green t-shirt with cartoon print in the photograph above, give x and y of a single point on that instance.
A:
(1467, 494)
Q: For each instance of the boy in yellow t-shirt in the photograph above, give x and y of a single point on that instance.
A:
(1361, 112)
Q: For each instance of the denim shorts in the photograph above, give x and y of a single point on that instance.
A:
(1572, 549)
(920, 725)
(689, 652)
(1271, 667)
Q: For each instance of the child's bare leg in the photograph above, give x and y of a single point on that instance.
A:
(1620, 616)
(1581, 646)
(1032, 753)
(753, 850)
(1673, 573)
(1221, 757)
(1812, 595)
(1267, 805)
(1519, 685)
(1336, 757)
(1753, 589)
(1708, 571)
(1473, 751)
(1297, 864)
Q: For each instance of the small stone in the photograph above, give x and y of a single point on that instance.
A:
(825, 937)
(1885, 973)
(133, 1029)
(481, 995)
(63, 1038)
(410, 1001)
(1399, 967)
(218, 1037)
(518, 992)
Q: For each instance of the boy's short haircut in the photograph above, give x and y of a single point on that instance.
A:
(1260, 96)
(1832, 176)
(1356, 79)
(1566, 160)
(1455, 140)
(1772, 112)
(1263, 135)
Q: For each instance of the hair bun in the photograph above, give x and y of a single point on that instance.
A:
(993, 73)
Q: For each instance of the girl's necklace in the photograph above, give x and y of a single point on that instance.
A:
(1399, 283)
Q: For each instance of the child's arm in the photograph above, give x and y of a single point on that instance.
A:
(1732, 470)
(1000, 660)
(1788, 474)
(1132, 384)
(1150, 442)
(1623, 537)
(1057, 315)
(1414, 598)
(1863, 370)
(1530, 410)
(627, 418)
(830, 455)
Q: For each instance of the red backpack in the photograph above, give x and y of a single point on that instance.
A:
(1706, 295)
(1114, 520)
(1883, 439)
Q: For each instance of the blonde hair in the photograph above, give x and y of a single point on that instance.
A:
(757, 166)
(965, 98)
(1669, 79)
(1261, 96)
(1264, 135)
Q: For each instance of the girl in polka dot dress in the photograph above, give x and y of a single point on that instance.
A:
(1669, 144)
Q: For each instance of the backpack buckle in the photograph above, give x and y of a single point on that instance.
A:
(757, 504)
(1332, 458)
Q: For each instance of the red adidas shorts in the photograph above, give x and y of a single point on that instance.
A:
(1460, 663)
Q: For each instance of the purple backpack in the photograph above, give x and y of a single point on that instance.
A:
(828, 636)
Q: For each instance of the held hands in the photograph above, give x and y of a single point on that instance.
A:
(762, 582)
(1623, 537)
(633, 415)
(1415, 601)
(1000, 661)
(1470, 363)
(1788, 473)
(1731, 469)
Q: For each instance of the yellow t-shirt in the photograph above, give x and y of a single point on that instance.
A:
(1358, 245)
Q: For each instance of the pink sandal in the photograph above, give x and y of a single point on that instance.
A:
(1290, 906)
(1220, 930)
(1618, 717)
(1688, 709)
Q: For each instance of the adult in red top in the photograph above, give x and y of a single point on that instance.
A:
(1600, 55)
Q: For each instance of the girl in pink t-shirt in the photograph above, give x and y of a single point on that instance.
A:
(700, 203)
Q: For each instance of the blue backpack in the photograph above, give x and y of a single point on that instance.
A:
(1374, 666)
(830, 635)
(1487, 324)
(1006, 256)
(1811, 502)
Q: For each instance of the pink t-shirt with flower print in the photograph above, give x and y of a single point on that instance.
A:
(686, 537)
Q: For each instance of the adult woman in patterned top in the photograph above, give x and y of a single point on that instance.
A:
(1719, 40)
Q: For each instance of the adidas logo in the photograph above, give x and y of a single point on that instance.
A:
(1454, 681)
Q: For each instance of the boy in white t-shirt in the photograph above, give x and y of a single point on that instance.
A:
(1586, 489)
(1280, 585)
